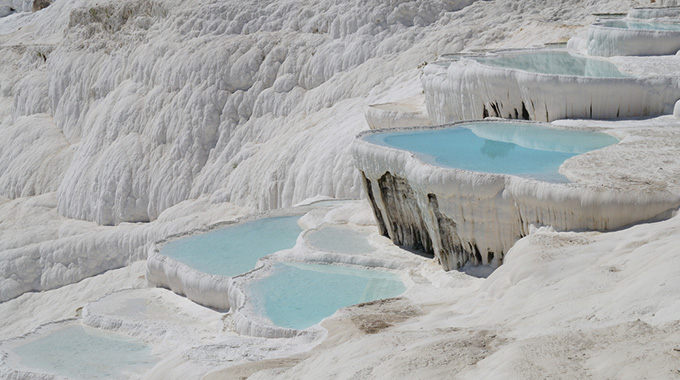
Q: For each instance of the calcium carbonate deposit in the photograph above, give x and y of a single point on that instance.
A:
(124, 123)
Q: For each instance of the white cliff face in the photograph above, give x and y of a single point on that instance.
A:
(158, 106)
(469, 217)
(469, 90)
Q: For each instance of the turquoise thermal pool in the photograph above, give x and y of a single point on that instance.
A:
(554, 62)
(297, 295)
(233, 250)
(84, 353)
(522, 149)
(641, 25)
(340, 239)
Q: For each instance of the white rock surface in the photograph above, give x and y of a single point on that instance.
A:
(606, 41)
(664, 14)
(469, 90)
(590, 305)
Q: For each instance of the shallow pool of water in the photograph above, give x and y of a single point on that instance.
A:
(299, 295)
(641, 25)
(554, 62)
(233, 250)
(340, 239)
(84, 353)
(522, 149)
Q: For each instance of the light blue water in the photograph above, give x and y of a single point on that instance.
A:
(520, 149)
(85, 353)
(340, 239)
(554, 62)
(301, 295)
(233, 250)
(641, 25)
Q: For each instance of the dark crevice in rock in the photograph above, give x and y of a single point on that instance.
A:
(451, 254)
(496, 109)
(525, 112)
(376, 211)
(402, 214)
(485, 112)
(478, 256)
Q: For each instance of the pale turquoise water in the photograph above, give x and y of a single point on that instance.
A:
(340, 239)
(233, 250)
(521, 149)
(84, 353)
(641, 25)
(301, 295)
(554, 62)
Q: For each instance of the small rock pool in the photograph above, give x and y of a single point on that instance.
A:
(553, 62)
(522, 149)
(81, 353)
(299, 295)
(234, 249)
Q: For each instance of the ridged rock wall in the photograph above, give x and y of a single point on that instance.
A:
(607, 41)
(654, 12)
(468, 90)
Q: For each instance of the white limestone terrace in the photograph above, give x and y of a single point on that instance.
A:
(633, 37)
(534, 85)
(470, 217)
(404, 113)
(185, 338)
(226, 293)
(668, 13)
(612, 296)
(203, 288)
